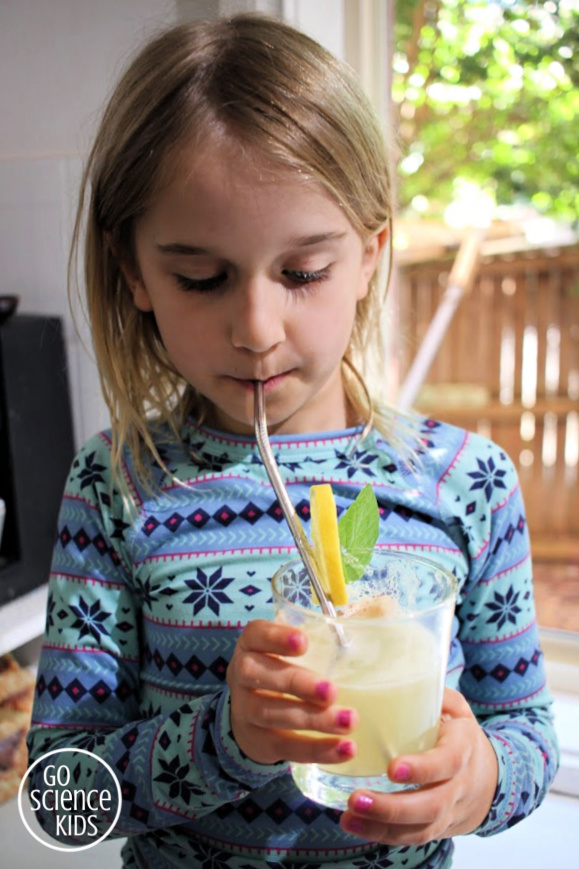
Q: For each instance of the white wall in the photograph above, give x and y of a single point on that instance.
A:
(61, 58)
(323, 20)
(58, 60)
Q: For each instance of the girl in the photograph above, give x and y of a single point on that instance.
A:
(239, 205)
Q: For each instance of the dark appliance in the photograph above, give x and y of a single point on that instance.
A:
(36, 447)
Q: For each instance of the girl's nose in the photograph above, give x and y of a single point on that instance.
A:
(257, 322)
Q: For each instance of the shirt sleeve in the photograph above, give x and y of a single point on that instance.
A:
(504, 674)
(171, 767)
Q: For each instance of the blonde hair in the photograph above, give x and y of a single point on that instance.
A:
(271, 88)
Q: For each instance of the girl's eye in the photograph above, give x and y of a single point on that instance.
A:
(297, 277)
(201, 285)
(302, 278)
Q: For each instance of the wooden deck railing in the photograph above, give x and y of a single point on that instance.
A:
(509, 368)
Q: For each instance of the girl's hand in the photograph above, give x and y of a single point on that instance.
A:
(457, 779)
(272, 700)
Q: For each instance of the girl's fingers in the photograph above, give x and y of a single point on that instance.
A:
(456, 782)
(302, 748)
(438, 764)
(408, 811)
(454, 705)
(272, 711)
(452, 750)
(272, 638)
(254, 671)
(274, 700)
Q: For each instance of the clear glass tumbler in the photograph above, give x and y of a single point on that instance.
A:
(397, 628)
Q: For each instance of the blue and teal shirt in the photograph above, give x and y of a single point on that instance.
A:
(148, 595)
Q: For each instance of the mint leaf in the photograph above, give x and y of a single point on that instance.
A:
(358, 528)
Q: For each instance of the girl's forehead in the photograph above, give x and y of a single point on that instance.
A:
(215, 193)
(222, 170)
(234, 159)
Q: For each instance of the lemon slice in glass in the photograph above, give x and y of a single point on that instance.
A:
(326, 543)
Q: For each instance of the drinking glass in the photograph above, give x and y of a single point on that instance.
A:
(387, 652)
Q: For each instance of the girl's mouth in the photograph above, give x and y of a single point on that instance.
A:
(269, 384)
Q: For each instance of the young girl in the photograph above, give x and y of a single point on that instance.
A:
(239, 203)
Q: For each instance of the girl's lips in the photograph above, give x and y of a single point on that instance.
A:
(270, 384)
(273, 382)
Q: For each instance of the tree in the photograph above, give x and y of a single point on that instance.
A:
(487, 93)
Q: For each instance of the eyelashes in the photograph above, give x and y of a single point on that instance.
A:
(294, 277)
(203, 285)
(302, 279)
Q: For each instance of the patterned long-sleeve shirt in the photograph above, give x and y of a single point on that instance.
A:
(148, 595)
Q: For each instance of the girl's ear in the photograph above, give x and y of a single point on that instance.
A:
(370, 258)
(132, 276)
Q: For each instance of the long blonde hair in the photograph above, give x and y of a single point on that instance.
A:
(275, 90)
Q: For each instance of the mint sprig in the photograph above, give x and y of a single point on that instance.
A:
(358, 528)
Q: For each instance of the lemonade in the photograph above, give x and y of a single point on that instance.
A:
(393, 676)
(397, 627)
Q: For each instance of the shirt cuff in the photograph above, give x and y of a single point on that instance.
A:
(249, 773)
(501, 813)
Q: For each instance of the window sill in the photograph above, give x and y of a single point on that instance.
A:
(561, 649)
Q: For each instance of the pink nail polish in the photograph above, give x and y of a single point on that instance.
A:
(346, 749)
(402, 772)
(295, 642)
(323, 690)
(362, 803)
(344, 718)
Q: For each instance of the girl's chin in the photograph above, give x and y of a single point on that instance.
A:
(243, 423)
(232, 412)
(239, 424)
(288, 410)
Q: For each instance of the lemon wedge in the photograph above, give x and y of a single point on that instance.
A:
(326, 543)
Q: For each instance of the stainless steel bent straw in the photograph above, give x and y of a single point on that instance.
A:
(286, 505)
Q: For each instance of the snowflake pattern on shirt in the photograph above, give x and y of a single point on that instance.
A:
(145, 607)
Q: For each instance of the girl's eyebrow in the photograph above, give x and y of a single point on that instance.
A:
(307, 240)
(301, 241)
(179, 248)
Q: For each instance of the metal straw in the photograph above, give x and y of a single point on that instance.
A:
(287, 507)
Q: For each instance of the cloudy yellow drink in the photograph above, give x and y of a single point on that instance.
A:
(393, 676)
(391, 670)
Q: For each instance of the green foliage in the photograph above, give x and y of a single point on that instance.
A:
(358, 529)
(488, 91)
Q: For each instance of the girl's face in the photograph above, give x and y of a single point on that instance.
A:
(253, 273)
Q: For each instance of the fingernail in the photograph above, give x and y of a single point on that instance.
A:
(355, 825)
(295, 642)
(344, 718)
(402, 772)
(346, 748)
(323, 690)
(363, 803)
